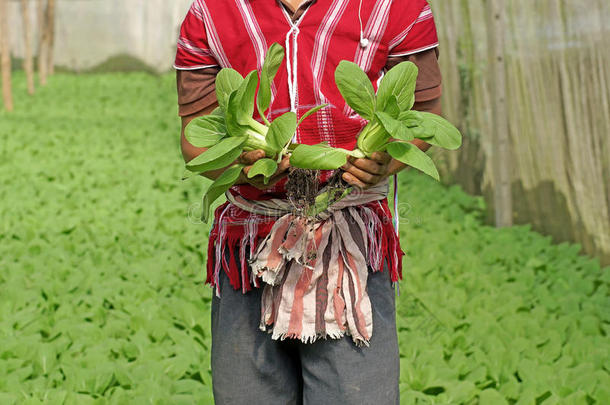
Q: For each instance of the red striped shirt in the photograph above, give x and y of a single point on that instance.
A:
(238, 33)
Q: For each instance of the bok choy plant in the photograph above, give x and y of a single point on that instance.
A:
(231, 129)
(392, 125)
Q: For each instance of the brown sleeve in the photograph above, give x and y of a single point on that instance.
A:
(196, 89)
(428, 86)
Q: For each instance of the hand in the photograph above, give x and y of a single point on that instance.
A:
(367, 172)
(249, 158)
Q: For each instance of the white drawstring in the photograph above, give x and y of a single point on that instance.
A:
(292, 55)
(364, 42)
(291, 65)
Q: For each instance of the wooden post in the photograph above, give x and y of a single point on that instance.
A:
(28, 62)
(501, 153)
(50, 37)
(5, 51)
(42, 42)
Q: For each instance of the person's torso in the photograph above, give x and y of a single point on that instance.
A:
(327, 32)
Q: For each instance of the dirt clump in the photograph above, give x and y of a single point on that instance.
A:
(302, 188)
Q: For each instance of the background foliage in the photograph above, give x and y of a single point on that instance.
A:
(101, 271)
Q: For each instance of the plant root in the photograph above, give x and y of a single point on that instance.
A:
(302, 188)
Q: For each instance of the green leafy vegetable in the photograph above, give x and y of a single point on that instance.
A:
(390, 120)
(243, 103)
(219, 187)
(356, 88)
(207, 131)
(392, 124)
(310, 112)
(281, 131)
(265, 167)
(320, 156)
(218, 156)
(411, 155)
(273, 60)
(443, 134)
(227, 81)
(400, 83)
(231, 129)
(394, 127)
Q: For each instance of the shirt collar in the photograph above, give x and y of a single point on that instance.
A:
(305, 3)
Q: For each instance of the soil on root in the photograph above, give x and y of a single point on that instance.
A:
(337, 185)
(303, 186)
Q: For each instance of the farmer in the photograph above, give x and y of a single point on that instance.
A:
(332, 328)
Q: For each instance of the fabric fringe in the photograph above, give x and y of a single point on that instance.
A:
(315, 337)
(305, 264)
(383, 246)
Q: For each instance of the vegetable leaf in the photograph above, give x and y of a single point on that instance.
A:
(273, 60)
(395, 128)
(218, 112)
(281, 131)
(411, 155)
(218, 156)
(442, 132)
(205, 131)
(219, 187)
(373, 137)
(356, 88)
(266, 167)
(392, 108)
(188, 174)
(227, 81)
(243, 105)
(400, 82)
(411, 118)
(310, 112)
(320, 156)
(234, 128)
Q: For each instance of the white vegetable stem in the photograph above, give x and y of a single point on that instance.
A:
(257, 134)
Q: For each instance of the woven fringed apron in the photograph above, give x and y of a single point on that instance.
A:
(315, 273)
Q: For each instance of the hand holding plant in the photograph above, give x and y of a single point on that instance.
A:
(392, 125)
(366, 172)
(249, 159)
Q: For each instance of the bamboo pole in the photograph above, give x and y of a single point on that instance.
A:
(5, 51)
(500, 141)
(28, 62)
(42, 42)
(50, 37)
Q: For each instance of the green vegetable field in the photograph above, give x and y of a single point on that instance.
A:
(102, 266)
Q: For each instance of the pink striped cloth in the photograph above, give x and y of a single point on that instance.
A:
(315, 272)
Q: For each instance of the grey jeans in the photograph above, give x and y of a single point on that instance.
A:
(248, 367)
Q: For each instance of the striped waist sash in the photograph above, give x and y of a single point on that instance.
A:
(315, 273)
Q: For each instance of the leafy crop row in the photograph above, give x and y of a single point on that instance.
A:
(498, 316)
(101, 271)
